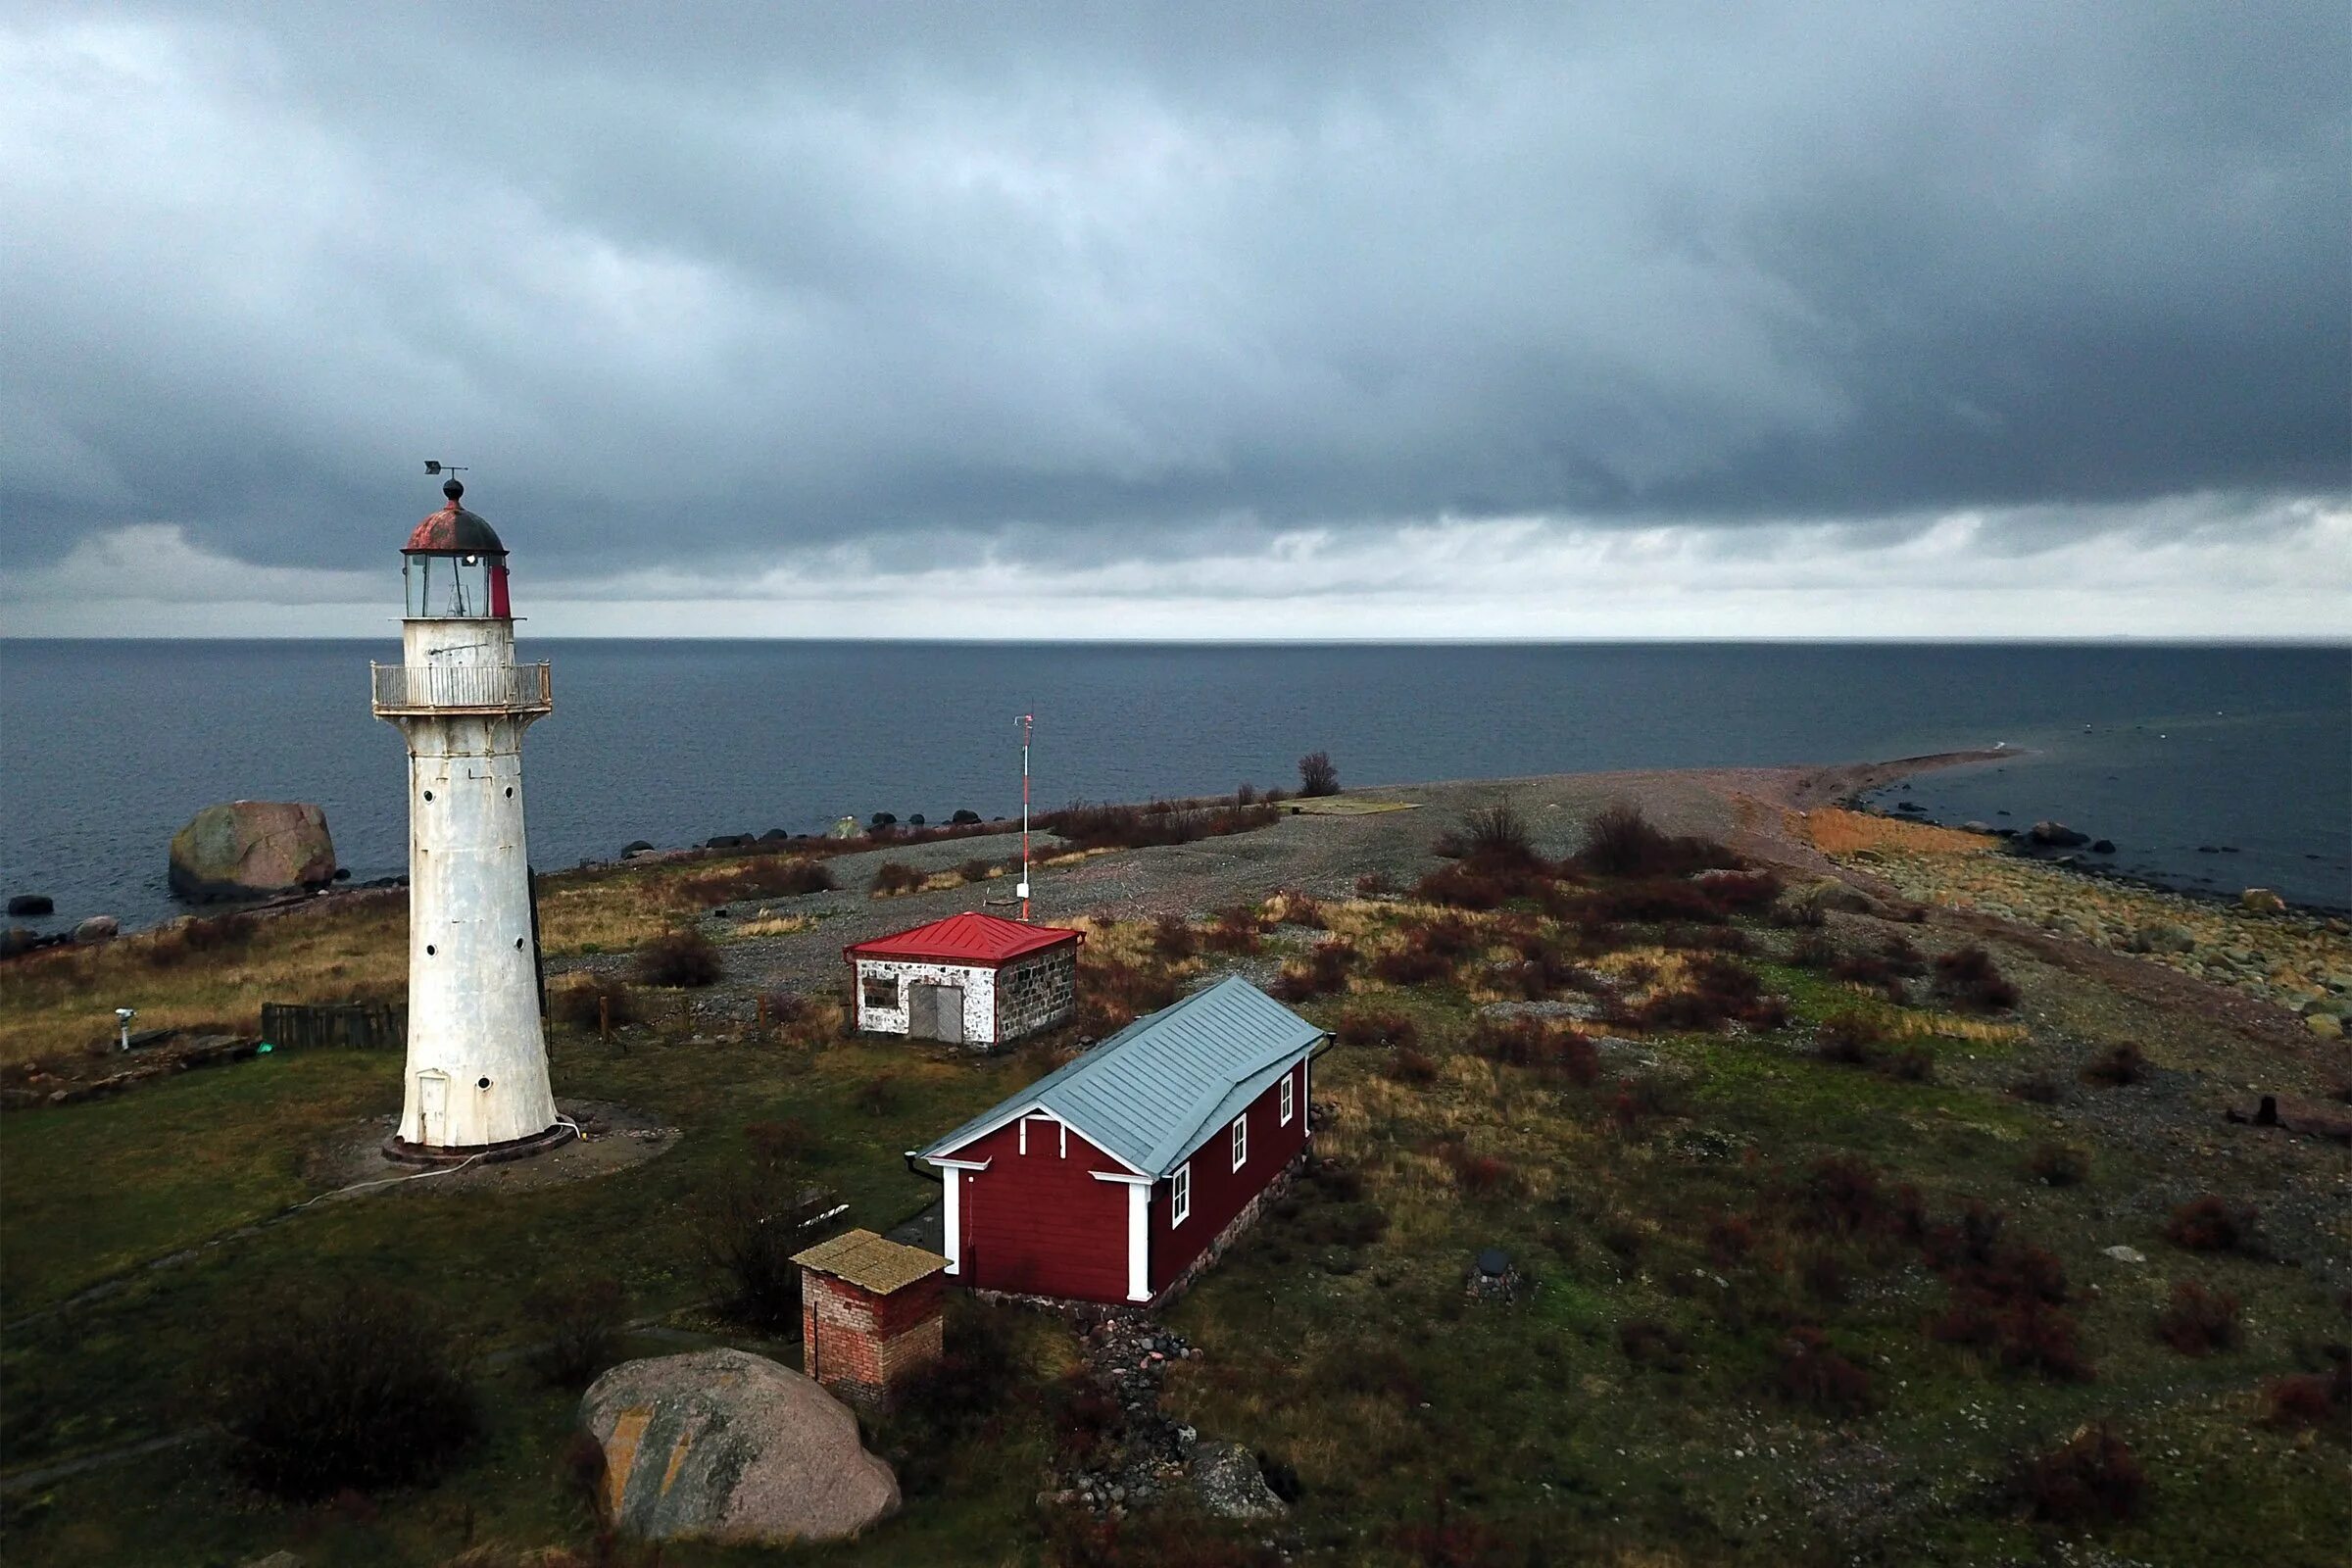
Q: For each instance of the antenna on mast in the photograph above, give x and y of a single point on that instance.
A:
(1028, 723)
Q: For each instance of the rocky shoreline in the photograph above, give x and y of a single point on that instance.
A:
(2298, 960)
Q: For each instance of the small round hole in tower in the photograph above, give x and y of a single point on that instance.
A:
(428, 794)
(428, 950)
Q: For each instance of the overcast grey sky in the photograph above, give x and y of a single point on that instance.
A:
(1215, 319)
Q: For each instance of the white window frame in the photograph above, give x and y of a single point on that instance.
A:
(1180, 1195)
(1239, 1135)
(1289, 1105)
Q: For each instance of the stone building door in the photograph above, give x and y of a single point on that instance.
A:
(935, 1012)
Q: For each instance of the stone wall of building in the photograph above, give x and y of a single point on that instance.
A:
(1037, 993)
(979, 996)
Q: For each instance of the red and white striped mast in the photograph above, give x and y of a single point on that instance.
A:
(1028, 722)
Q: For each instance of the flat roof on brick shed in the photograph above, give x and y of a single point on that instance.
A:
(871, 1262)
(975, 938)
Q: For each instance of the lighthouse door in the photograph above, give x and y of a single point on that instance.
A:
(432, 1109)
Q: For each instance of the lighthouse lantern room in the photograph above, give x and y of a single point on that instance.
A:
(476, 1079)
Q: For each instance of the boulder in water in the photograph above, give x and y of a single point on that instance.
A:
(97, 928)
(32, 903)
(2057, 835)
(251, 848)
(2262, 901)
(728, 1447)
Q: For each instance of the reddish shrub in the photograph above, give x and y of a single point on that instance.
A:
(1482, 1175)
(1236, 929)
(1967, 980)
(1173, 938)
(1825, 1277)
(975, 871)
(1653, 900)
(1742, 892)
(2312, 1399)
(1840, 1194)
(1812, 1373)
(1535, 1044)
(2207, 1224)
(1410, 1066)
(766, 877)
(1324, 971)
(680, 957)
(1113, 993)
(1412, 966)
(2112, 1069)
(1913, 1064)
(1497, 835)
(2039, 1088)
(1374, 885)
(894, 877)
(1851, 1037)
(1813, 950)
(2091, 1479)
(1375, 1026)
(2198, 1321)
(1647, 1342)
(1465, 887)
(1621, 842)
(1730, 1241)
(2058, 1165)
(1715, 991)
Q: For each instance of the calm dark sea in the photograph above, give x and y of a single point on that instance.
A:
(106, 748)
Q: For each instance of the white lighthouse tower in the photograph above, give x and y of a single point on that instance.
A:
(476, 1078)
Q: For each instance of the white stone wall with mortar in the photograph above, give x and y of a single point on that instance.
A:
(979, 996)
(476, 1058)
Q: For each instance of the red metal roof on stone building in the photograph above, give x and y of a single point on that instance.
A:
(970, 938)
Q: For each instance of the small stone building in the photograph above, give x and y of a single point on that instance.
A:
(970, 979)
(869, 1314)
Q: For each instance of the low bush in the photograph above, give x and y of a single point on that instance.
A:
(764, 876)
(1715, 991)
(1813, 950)
(2310, 1400)
(1376, 1026)
(1466, 887)
(1235, 929)
(192, 938)
(1651, 900)
(879, 1096)
(1113, 993)
(1850, 1037)
(579, 1319)
(1621, 842)
(680, 957)
(1841, 1193)
(747, 1230)
(1317, 775)
(950, 1403)
(894, 877)
(975, 871)
(2197, 1321)
(1742, 892)
(1966, 979)
(1481, 1175)
(2058, 1165)
(1290, 906)
(1813, 1373)
(1135, 828)
(2208, 1224)
(1374, 885)
(1646, 1342)
(2091, 1479)
(2112, 1069)
(587, 998)
(1413, 965)
(1410, 1066)
(351, 1387)
(1322, 972)
(1497, 835)
(1547, 1047)
(2040, 1089)
(1912, 1064)
(1174, 938)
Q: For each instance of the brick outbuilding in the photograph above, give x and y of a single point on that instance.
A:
(1117, 1176)
(869, 1314)
(970, 979)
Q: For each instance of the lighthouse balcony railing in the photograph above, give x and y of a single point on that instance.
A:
(462, 688)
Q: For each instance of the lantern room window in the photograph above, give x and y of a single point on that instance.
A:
(446, 587)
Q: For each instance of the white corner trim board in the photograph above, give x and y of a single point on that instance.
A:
(1139, 1241)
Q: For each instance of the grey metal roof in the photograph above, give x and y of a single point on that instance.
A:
(1151, 1091)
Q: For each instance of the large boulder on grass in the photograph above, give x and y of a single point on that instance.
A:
(728, 1447)
(252, 848)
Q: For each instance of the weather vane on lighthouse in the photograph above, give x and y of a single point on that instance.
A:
(477, 1080)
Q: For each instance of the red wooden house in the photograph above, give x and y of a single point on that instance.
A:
(1116, 1177)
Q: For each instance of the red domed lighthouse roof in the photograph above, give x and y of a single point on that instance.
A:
(454, 531)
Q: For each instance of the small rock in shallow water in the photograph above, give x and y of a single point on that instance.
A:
(2262, 901)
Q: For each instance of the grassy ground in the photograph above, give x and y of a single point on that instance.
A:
(1633, 1404)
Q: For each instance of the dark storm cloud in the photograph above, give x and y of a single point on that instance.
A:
(712, 286)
